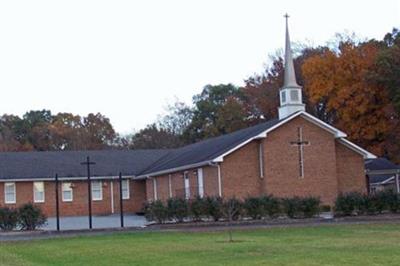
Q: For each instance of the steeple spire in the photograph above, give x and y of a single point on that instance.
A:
(290, 94)
(290, 75)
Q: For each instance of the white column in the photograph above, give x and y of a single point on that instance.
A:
(397, 182)
(170, 186)
(155, 188)
(200, 182)
(219, 181)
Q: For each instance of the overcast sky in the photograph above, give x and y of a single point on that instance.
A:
(128, 59)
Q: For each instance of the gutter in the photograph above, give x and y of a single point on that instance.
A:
(172, 170)
(61, 179)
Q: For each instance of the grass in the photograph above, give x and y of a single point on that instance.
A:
(323, 245)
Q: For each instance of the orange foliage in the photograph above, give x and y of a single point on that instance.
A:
(340, 81)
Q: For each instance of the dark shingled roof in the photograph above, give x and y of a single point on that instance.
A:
(208, 149)
(379, 164)
(23, 165)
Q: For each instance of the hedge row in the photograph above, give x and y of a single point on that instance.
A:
(27, 217)
(216, 208)
(356, 203)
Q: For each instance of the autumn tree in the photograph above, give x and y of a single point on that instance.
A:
(338, 81)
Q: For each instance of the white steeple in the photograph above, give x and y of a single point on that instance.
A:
(290, 94)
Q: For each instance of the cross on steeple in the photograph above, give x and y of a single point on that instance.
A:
(300, 143)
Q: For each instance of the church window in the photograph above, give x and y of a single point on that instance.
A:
(97, 190)
(67, 193)
(38, 192)
(9, 193)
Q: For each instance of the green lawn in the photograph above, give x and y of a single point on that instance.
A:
(328, 245)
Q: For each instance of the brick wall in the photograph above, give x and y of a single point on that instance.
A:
(210, 184)
(350, 170)
(329, 167)
(79, 205)
(282, 175)
(240, 172)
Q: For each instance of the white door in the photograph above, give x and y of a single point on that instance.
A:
(187, 185)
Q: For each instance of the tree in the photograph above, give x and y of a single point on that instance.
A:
(217, 110)
(153, 137)
(178, 118)
(338, 80)
(386, 72)
(98, 132)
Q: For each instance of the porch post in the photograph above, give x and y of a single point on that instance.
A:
(397, 182)
(57, 205)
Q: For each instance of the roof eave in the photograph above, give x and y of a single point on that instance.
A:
(366, 154)
(172, 170)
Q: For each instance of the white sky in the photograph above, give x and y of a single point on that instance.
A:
(128, 59)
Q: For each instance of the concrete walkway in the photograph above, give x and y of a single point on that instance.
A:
(98, 222)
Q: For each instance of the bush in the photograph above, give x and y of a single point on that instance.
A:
(271, 206)
(391, 199)
(254, 207)
(325, 208)
(178, 209)
(347, 204)
(156, 211)
(213, 207)
(31, 217)
(232, 209)
(8, 219)
(292, 206)
(198, 208)
(309, 206)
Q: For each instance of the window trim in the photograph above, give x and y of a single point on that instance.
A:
(69, 189)
(101, 190)
(14, 192)
(35, 200)
(127, 190)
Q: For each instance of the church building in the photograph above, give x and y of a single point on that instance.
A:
(294, 155)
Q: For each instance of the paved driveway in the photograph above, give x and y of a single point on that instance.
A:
(82, 222)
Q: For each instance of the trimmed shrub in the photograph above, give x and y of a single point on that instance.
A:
(197, 208)
(392, 200)
(178, 209)
(325, 208)
(156, 211)
(271, 206)
(232, 209)
(254, 207)
(347, 204)
(31, 217)
(8, 219)
(292, 206)
(309, 206)
(213, 207)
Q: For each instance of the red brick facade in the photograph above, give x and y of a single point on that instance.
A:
(329, 168)
(79, 204)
